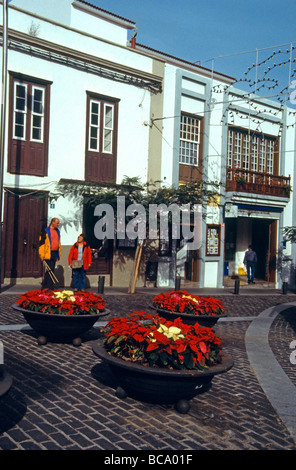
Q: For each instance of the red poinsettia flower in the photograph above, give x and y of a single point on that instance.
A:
(152, 340)
(183, 302)
(62, 302)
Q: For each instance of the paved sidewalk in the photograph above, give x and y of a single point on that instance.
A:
(62, 397)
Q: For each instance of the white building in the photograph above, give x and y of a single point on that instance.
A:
(78, 101)
(160, 117)
(221, 133)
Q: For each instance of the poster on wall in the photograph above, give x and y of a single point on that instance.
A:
(213, 240)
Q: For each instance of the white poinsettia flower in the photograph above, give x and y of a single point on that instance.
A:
(68, 293)
(189, 297)
(170, 332)
(65, 295)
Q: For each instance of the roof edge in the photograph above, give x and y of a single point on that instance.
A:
(107, 15)
(173, 59)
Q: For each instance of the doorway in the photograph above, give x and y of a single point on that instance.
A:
(262, 235)
(25, 215)
(264, 243)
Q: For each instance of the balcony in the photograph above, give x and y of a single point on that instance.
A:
(254, 182)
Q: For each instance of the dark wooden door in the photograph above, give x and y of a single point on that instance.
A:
(25, 215)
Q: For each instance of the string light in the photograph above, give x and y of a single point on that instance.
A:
(265, 71)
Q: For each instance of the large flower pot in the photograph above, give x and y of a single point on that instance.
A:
(5, 381)
(155, 385)
(188, 318)
(59, 327)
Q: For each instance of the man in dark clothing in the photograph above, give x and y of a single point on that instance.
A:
(250, 260)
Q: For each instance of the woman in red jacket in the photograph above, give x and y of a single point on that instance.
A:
(79, 260)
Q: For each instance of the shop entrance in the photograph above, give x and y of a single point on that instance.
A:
(262, 235)
(264, 243)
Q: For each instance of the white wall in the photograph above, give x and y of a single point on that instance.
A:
(211, 274)
(92, 24)
(79, 16)
(167, 125)
(96, 45)
(66, 157)
(56, 10)
(68, 119)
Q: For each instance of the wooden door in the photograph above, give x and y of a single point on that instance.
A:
(24, 216)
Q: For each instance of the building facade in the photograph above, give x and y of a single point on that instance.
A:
(85, 103)
(78, 99)
(222, 133)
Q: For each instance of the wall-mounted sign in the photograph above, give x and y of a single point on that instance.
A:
(213, 240)
(231, 210)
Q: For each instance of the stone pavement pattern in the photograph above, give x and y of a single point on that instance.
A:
(63, 397)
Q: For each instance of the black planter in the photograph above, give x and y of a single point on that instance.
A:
(163, 386)
(59, 327)
(5, 381)
(189, 319)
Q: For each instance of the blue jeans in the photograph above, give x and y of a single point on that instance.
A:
(79, 278)
(251, 270)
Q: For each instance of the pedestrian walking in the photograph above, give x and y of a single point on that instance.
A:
(79, 260)
(250, 260)
(50, 252)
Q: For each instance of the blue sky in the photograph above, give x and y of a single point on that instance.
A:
(198, 30)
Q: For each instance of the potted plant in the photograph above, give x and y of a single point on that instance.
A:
(240, 180)
(241, 183)
(287, 188)
(190, 308)
(59, 314)
(160, 361)
(5, 377)
(5, 381)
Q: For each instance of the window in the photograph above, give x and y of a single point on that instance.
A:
(254, 153)
(100, 159)
(189, 140)
(28, 126)
(230, 148)
(28, 106)
(94, 129)
(108, 128)
(270, 152)
(20, 111)
(237, 156)
(246, 147)
(37, 116)
(251, 151)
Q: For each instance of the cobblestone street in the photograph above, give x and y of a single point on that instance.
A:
(62, 396)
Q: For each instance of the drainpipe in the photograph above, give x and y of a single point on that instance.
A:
(3, 122)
